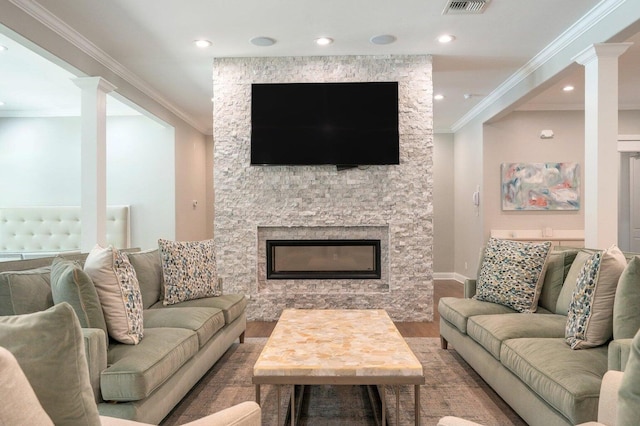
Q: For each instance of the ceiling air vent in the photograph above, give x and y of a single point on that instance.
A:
(458, 7)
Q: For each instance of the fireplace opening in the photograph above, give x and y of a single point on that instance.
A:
(323, 259)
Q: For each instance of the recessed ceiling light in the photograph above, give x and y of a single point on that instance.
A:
(383, 39)
(324, 41)
(446, 38)
(568, 88)
(202, 44)
(3, 48)
(1, 103)
(263, 41)
(438, 97)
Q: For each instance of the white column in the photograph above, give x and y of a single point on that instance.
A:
(602, 161)
(94, 160)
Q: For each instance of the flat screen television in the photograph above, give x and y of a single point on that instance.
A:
(343, 124)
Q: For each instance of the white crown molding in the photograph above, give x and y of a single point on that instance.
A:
(575, 31)
(51, 21)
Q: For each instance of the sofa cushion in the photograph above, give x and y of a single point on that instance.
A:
(512, 273)
(189, 270)
(204, 321)
(590, 318)
(119, 292)
(69, 283)
(149, 272)
(626, 320)
(558, 265)
(629, 393)
(457, 311)
(232, 305)
(134, 371)
(567, 380)
(50, 350)
(24, 292)
(491, 330)
(566, 294)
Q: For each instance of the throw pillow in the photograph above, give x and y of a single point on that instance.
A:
(628, 411)
(558, 265)
(69, 283)
(50, 350)
(24, 292)
(119, 293)
(590, 316)
(189, 270)
(512, 273)
(626, 321)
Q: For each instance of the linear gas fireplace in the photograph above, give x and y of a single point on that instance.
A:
(323, 259)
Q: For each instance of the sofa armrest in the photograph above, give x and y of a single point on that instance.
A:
(608, 402)
(456, 421)
(618, 354)
(95, 348)
(469, 288)
(243, 414)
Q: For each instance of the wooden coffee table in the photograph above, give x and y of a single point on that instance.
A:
(337, 347)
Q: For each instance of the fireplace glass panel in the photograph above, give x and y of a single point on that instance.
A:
(313, 259)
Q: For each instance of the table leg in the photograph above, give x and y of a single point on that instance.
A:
(417, 404)
(258, 394)
(384, 405)
(397, 388)
(278, 409)
(293, 405)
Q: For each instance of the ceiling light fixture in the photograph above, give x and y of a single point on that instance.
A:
(262, 41)
(3, 48)
(324, 41)
(383, 39)
(202, 44)
(1, 103)
(438, 97)
(568, 88)
(446, 38)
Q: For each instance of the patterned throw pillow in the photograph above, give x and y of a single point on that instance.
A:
(590, 316)
(119, 293)
(512, 273)
(189, 269)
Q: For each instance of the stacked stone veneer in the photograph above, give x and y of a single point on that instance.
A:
(252, 202)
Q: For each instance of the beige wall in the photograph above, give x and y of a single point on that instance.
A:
(516, 138)
(443, 205)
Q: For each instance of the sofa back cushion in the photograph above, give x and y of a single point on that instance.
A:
(626, 320)
(148, 269)
(570, 281)
(629, 392)
(24, 292)
(558, 265)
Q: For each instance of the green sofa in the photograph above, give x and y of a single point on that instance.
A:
(142, 382)
(524, 357)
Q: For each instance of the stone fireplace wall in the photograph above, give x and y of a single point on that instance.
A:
(309, 200)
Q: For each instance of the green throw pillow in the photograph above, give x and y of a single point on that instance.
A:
(24, 292)
(629, 392)
(566, 293)
(512, 273)
(69, 283)
(149, 272)
(50, 350)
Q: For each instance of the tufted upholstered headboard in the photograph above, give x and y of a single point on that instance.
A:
(37, 230)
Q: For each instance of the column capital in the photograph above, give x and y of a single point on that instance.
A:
(94, 83)
(601, 50)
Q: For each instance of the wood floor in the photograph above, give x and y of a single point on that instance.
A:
(441, 288)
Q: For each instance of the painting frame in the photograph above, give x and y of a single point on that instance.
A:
(550, 186)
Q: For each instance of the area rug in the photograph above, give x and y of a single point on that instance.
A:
(452, 388)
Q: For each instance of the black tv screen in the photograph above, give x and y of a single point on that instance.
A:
(346, 124)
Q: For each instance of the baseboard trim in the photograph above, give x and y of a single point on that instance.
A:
(449, 276)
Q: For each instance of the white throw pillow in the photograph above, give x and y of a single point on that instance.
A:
(118, 291)
(189, 270)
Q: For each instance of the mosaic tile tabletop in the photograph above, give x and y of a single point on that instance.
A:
(336, 343)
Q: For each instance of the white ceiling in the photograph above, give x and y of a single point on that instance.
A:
(152, 39)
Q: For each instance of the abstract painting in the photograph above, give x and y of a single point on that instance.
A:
(540, 186)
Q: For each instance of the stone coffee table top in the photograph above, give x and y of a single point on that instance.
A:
(339, 344)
